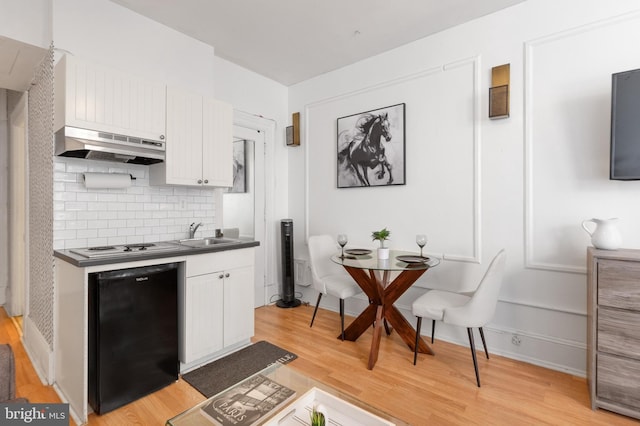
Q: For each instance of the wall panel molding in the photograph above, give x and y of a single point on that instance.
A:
(568, 355)
(474, 62)
(531, 48)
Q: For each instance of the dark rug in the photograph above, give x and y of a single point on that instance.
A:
(215, 377)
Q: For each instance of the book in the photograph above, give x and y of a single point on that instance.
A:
(247, 402)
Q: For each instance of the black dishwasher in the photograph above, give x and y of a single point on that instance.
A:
(133, 334)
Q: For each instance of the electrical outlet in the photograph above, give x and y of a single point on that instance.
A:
(183, 204)
(515, 339)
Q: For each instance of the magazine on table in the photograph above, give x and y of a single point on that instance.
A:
(247, 402)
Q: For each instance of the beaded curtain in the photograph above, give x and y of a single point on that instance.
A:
(40, 199)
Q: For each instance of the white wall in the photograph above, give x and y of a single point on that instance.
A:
(474, 185)
(259, 96)
(4, 190)
(27, 21)
(106, 33)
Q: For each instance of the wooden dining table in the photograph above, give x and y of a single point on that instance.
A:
(373, 275)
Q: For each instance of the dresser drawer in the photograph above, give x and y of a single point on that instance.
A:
(617, 380)
(619, 284)
(619, 332)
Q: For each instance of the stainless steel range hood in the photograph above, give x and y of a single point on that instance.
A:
(94, 145)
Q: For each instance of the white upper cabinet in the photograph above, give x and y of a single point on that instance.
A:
(199, 142)
(217, 143)
(183, 158)
(94, 97)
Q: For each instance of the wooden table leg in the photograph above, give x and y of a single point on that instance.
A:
(382, 296)
(360, 324)
(375, 343)
(368, 283)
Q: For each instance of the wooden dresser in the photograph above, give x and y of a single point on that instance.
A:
(613, 330)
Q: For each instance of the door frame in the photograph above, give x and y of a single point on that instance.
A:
(267, 128)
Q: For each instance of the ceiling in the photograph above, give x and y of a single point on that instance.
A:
(290, 41)
(17, 62)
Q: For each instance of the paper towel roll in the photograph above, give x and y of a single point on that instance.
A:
(107, 180)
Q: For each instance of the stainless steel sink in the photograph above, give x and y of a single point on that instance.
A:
(205, 242)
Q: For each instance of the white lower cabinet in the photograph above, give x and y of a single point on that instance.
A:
(216, 303)
(203, 325)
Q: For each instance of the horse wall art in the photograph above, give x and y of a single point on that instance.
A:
(371, 148)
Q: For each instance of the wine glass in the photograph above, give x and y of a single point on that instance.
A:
(342, 240)
(421, 241)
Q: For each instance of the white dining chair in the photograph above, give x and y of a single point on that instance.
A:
(328, 277)
(465, 310)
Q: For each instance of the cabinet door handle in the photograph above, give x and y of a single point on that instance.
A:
(199, 180)
(161, 137)
(220, 276)
(226, 275)
(206, 181)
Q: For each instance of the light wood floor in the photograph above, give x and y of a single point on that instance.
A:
(440, 390)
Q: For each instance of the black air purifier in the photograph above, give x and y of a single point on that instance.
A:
(288, 290)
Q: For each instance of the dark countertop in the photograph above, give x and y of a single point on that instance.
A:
(180, 250)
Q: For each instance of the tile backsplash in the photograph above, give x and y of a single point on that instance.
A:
(138, 214)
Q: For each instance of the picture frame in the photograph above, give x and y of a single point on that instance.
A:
(371, 148)
(499, 101)
(239, 168)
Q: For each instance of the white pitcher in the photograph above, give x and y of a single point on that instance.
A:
(605, 235)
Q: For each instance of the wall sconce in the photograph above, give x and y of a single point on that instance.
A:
(293, 131)
(499, 92)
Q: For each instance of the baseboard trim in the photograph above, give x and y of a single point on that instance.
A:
(74, 415)
(499, 341)
(38, 351)
(564, 355)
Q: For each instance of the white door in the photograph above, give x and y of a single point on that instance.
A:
(246, 210)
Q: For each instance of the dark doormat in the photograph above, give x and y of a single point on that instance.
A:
(215, 377)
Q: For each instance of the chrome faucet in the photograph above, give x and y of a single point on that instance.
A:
(193, 228)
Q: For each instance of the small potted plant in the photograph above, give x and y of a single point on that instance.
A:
(382, 236)
(317, 418)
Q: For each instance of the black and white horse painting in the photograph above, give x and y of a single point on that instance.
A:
(371, 148)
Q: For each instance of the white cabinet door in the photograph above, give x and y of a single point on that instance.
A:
(218, 309)
(203, 333)
(183, 159)
(217, 143)
(238, 303)
(94, 97)
(199, 142)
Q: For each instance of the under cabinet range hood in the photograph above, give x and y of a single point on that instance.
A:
(95, 145)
